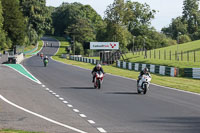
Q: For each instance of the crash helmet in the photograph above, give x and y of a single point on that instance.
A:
(98, 66)
(146, 70)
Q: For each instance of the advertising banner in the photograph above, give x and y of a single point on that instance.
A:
(104, 45)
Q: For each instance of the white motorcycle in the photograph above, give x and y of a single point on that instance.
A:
(143, 84)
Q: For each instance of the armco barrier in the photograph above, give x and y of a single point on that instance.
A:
(83, 59)
(192, 73)
(163, 70)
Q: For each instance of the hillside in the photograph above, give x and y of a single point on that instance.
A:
(167, 56)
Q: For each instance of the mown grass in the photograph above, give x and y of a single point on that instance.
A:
(167, 56)
(174, 82)
(40, 44)
(15, 131)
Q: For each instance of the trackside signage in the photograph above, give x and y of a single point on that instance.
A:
(104, 45)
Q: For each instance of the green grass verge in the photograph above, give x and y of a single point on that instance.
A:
(40, 44)
(174, 82)
(15, 131)
(162, 56)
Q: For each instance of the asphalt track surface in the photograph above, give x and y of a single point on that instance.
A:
(117, 107)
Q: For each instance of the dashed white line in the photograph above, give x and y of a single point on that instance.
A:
(57, 95)
(47, 89)
(101, 130)
(61, 98)
(43, 85)
(40, 116)
(82, 115)
(91, 121)
(65, 102)
(53, 93)
(69, 105)
(50, 91)
(76, 110)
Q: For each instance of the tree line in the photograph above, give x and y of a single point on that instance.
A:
(23, 22)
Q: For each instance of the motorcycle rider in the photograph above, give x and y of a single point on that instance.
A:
(41, 55)
(96, 69)
(144, 71)
(46, 58)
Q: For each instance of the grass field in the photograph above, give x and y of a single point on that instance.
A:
(167, 56)
(174, 82)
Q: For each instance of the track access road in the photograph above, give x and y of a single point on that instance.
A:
(117, 107)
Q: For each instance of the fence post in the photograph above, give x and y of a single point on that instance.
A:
(154, 54)
(181, 55)
(194, 56)
(170, 55)
(150, 54)
(187, 56)
(159, 54)
(165, 55)
(175, 55)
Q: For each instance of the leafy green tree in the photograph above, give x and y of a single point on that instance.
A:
(2, 32)
(14, 22)
(39, 16)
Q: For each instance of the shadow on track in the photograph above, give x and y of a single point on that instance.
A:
(78, 88)
(124, 93)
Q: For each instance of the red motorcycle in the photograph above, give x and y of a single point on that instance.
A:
(98, 79)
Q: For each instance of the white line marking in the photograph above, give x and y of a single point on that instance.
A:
(57, 95)
(50, 91)
(65, 102)
(91, 121)
(40, 116)
(69, 105)
(76, 110)
(43, 85)
(61, 98)
(101, 130)
(53, 93)
(47, 89)
(82, 115)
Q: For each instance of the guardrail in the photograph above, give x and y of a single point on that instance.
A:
(192, 73)
(84, 59)
(162, 70)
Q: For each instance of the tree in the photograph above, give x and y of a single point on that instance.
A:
(191, 15)
(14, 22)
(38, 15)
(2, 32)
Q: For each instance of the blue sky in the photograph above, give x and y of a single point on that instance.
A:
(168, 9)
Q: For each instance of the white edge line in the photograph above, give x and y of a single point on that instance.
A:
(25, 75)
(101, 130)
(40, 116)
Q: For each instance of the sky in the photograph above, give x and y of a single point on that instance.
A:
(167, 9)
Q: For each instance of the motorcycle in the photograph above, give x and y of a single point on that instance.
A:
(143, 84)
(45, 62)
(98, 79)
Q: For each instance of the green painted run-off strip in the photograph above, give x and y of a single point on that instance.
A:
(19, 68)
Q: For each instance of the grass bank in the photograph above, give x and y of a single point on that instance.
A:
(187, 84)
(168, 56)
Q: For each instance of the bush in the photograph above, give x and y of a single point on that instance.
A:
(183, 39)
